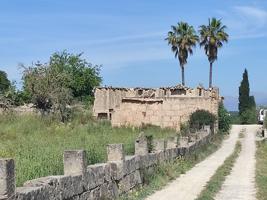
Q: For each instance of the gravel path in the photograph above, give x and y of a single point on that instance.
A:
(240, 184)
(190, 185)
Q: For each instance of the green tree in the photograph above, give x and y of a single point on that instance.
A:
(53, 86)
(212, 37)
(84, 75)
(200, 118)
(252, 103)
(223, 118)
(5, 84)
(182, 39)
(247, 105)
(244, 90)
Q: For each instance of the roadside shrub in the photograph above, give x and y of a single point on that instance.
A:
(234, 117)
(224, 118)
(184, 129)
(200, 118)
(249, 116)
(265, 122)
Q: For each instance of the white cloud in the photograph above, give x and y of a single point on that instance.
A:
(254, 13)
(245, 22)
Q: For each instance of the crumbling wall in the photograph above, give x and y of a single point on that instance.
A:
(108, 98)
(167, 112)
(119, 175)
(165, 107)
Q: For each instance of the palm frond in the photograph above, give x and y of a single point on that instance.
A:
(182, 38)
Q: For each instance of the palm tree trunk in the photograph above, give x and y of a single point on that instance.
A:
(183, 82)
(210, 80)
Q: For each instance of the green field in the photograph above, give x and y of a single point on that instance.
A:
(37, 143)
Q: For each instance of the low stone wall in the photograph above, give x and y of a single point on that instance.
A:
(119, 175)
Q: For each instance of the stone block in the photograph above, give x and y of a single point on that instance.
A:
(144, 161)
(7, 179)
(117, 170)
(78, 184)
(101, 171)
(85, 195)
(54, 187)
(191, 147)
(141, 145)
(168, 155)
(159, 145)
(130, 164)
(44, 186)
(173, 153)
(137, 162)
(160, 157)
(171, 142)
(152, 159)
(94, 194)
(65, 186)
(74, 162)
(115, 152)
(104, 191)
(129, 182)
(94, 176)
(32, 193)
(112, 190)
(183, 141)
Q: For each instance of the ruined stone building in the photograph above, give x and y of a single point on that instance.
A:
(164, 107)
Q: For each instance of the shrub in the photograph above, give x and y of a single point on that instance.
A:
(185, 129)
(200, 118)
(265, 122)
(52, 87)
(249, 116)
(224, 118)
(234, 117)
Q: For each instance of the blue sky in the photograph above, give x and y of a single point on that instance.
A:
(127, 38)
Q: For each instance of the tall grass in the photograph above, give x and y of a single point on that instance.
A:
(37, 143)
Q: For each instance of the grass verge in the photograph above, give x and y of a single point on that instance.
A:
(215, 183)
(169, 171)
(37, 143)
(261, 170)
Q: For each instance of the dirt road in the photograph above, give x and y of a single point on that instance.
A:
(239, 183)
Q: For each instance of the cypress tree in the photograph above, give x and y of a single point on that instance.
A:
(244, 98)
(247, 105)
(252, 103)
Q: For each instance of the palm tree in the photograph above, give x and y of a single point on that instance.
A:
(212, 37)
(182, 38)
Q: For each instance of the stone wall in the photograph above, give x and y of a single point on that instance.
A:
(119, 175)
(164, 107)
(167, 112)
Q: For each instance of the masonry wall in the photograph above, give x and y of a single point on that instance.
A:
(166, 112)
(165, 107)
(119, 175)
